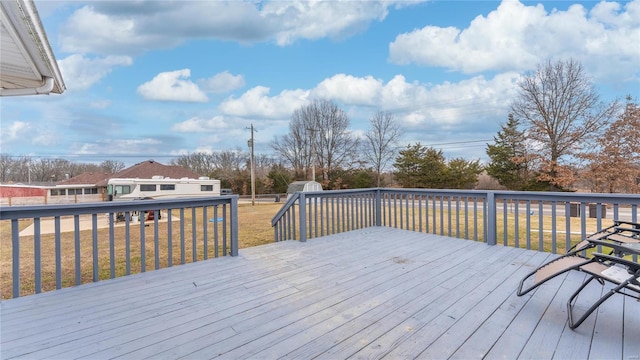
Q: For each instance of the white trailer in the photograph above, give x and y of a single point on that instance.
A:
(159, 187)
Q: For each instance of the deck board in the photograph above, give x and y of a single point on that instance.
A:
(551, 326)
(370, 293)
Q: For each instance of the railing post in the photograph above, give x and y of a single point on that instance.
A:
(234, 226)
(378, 207)
(303, 217)
(15, 269)
(491, 218)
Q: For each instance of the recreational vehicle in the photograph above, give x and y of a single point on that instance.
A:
(159, 187)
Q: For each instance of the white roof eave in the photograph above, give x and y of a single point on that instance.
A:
(27, 63)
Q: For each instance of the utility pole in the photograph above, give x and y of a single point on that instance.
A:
(253, 171)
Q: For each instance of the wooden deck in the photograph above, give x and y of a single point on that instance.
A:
(371, 293)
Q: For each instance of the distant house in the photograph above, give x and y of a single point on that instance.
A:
(81, 188)
(87, 187)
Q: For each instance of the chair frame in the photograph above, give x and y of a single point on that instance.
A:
(631, 283)
(619, 238)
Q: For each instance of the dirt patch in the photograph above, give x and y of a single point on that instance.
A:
(400, 260)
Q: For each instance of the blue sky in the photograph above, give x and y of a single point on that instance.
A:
(157, 79)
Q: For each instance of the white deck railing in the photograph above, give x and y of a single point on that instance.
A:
(103, 240)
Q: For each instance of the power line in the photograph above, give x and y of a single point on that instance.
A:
(460, 142)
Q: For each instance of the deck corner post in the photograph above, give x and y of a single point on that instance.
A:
(378, 207)
(234, 226)
(302, 215)
(491, 218)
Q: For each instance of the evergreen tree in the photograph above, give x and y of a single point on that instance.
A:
(279, 178)
(462, 174)
(418, 166)
(509, 159)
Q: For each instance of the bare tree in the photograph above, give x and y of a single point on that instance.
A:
(112, 166)
(294, 147)
(6, 167)
(198, 162)
(45, 170)
(381, 141)
(318, 137)
(561, 111)
(264, 163)
(16, 169)
(231, 160)
(332, 146)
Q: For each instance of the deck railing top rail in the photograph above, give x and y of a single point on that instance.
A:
(33, 211)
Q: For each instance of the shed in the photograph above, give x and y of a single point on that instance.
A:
(304, 186)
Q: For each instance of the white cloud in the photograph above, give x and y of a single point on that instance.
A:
(119, 27)
(349, 89)
(200, 125)
(448, 104)
(257, 102)
(172, 86)
(90, 31)
(22, 132)
(16, 130)
(465, 104)
(119, 146)
(319, 19)
(204, 149)
(222, 82)
(80, 72)
(517, 37)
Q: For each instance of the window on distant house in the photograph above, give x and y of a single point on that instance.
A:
(58, 192)
(88, 191)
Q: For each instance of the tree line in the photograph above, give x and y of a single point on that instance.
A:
(558, 136)
(27, 169)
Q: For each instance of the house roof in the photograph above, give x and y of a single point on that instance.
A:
(150, 168)
(27, 63)
(87, 178)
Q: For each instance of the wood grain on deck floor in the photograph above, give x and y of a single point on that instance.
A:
(371, 293)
